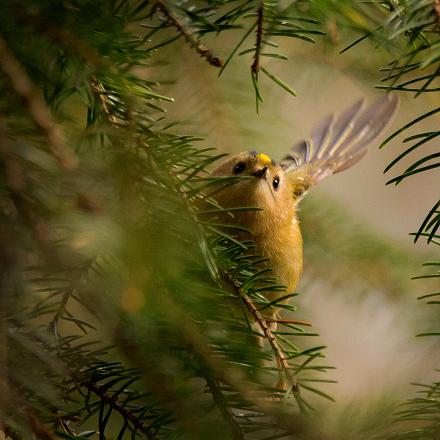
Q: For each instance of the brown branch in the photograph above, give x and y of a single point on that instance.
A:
(101, 93)
(259, 39)
(222, 405)
(117, 406)
(194, 42)
(33, 101)
(267, 333)
(103, 395)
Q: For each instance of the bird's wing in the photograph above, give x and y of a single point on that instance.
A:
(337, 143)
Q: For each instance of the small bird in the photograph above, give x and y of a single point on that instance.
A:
(336, 144)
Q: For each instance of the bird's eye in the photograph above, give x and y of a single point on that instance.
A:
(276, 183)
(239, 167)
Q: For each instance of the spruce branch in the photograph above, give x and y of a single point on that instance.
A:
(267, 333)
(68, 293)
(116, 405)
(194, 42)
(77, 375)
(100, 92)
(33, 101)
(222, 405)
(219, 369)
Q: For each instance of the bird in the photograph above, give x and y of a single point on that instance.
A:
(339, 142)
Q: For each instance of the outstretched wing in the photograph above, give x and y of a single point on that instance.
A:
(337, 143)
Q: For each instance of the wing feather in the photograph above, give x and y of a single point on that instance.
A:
(338, 143)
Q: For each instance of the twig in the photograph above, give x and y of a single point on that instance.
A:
(281, 358)
(259, 39)
(99, 90)
(224, 408)
(102, 394)
(195, 43)
(117, 406)
(33, 101)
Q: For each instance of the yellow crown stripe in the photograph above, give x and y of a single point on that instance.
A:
(264, 158)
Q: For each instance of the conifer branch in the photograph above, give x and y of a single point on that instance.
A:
(267, 333)
(222, 405)
(119, 407)
(259, 39)
(38, 111)
(194, 42)
(200, 346)
(99, 91)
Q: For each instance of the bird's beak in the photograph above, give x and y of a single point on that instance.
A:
(260, 173)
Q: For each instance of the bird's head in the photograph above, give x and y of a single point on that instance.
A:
(265, 185)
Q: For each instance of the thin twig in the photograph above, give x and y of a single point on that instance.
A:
(224, 408)
(33, 101)
(259, 39)
(102, 394)
(117, 406)
(99, 91)
(267, 333)
(195, 43)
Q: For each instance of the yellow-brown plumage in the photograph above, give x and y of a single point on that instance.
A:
(275, 229)
(336, 144)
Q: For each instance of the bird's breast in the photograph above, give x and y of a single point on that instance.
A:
(281, 243)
